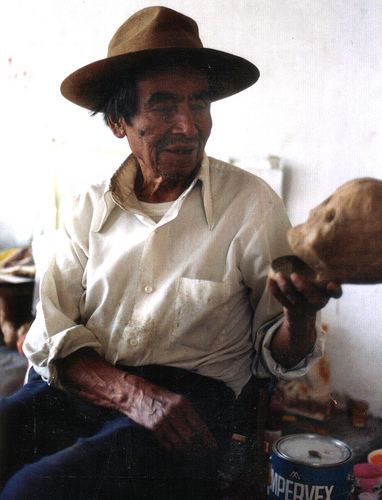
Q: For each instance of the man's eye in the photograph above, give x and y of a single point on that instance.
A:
(199, 106)
(165, 109)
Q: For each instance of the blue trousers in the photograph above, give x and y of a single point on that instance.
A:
(55, 445)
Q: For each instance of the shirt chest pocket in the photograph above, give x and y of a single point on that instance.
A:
(200, 312)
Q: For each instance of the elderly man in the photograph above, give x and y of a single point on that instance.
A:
(155, 312)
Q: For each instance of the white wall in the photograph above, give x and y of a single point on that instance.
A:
(318, 105)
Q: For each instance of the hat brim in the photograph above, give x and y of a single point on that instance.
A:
(91, 84)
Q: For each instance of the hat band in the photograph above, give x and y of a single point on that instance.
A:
(148, 39)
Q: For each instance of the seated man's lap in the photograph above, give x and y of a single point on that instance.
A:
(92, 448)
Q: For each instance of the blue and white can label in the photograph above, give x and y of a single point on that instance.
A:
(311, 467)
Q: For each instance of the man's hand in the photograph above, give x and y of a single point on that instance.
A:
(169, 416)
(300, 295)
(301, 298)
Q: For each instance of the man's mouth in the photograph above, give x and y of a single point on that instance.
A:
(180, 150)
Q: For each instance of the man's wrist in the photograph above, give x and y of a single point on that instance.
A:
(300, 323)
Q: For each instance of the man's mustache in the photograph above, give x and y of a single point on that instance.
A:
(170, 140)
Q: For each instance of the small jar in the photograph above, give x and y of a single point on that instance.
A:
(359, 413)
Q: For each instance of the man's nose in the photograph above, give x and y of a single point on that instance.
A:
(185, 123)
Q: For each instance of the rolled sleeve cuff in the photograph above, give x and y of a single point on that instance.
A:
(60, 346)
(267, 366)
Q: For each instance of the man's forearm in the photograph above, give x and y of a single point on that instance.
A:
(94, 379)
(294, 339)
(168, 415)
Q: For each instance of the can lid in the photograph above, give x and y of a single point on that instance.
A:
(313, 450)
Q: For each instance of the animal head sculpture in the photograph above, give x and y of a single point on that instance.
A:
(342, 238)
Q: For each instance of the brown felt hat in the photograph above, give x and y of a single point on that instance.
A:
(149, 35)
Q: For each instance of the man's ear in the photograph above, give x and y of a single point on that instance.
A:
(117, 128)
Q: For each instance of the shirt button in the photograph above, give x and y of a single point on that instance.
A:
(148, 289)
(134, 342)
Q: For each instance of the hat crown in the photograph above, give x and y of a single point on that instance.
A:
(155, 28)
(156, 34)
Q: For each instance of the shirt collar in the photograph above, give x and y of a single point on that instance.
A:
(204, 177)
(121, 192)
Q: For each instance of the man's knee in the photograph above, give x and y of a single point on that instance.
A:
(30, 426)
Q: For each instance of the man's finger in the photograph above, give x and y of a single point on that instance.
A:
(276, 292)
(334, 289)
(183, 429)
(311, 293)
(169, 437)
(288, 289)
(201, 433)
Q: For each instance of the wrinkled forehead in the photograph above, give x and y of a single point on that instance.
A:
(164, 72)
(172, 86)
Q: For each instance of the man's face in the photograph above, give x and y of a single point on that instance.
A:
(172, 124)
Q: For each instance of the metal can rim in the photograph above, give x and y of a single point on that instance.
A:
(284, 456)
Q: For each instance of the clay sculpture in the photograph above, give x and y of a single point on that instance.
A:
(342, 238)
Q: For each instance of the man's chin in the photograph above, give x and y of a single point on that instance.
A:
(180, 172)
(173, 176)
(179, 175)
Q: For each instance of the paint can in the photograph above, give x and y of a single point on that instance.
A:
(311, 467)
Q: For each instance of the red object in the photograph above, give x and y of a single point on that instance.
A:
(375, 457)
(367, 471)
(367, 484)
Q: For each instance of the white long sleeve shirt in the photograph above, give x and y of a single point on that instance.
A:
(187, 291)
